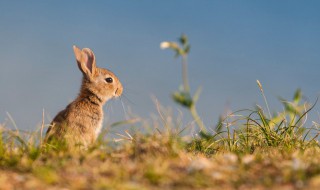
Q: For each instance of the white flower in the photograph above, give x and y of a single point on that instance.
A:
(164, 45)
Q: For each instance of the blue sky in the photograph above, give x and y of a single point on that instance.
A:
(233, 43)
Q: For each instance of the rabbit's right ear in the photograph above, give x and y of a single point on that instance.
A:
(86, 61)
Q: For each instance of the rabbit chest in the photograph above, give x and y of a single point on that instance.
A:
(98, 128)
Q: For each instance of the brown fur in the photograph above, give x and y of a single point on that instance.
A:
(80, 122)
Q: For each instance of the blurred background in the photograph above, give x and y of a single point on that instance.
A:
(233, 43)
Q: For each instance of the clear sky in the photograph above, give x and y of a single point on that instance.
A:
(233, 43)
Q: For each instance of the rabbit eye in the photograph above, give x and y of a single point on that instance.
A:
(109, 80)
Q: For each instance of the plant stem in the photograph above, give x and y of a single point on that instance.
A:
(185, 73)
(266, 102)
(197, 119)
(264, 98)
(186, 87)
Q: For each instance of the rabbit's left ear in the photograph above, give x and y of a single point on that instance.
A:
(86, 61)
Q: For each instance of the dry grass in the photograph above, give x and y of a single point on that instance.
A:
(160, 162)
(248, 150)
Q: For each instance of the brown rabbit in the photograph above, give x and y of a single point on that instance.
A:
(81, 121)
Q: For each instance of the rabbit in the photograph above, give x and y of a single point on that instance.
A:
(81, 121)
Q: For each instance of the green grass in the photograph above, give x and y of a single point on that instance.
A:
(247, 150)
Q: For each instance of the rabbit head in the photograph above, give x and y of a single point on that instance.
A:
(96, 81)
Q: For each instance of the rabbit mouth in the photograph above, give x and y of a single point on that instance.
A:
(118, 92)
(115, 93)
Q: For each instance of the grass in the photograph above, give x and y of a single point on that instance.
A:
(247, 150)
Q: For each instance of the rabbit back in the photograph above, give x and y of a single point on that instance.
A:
(76, 125)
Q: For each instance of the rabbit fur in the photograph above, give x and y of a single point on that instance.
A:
(81, 121)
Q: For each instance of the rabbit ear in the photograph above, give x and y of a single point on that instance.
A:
(86, 61)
